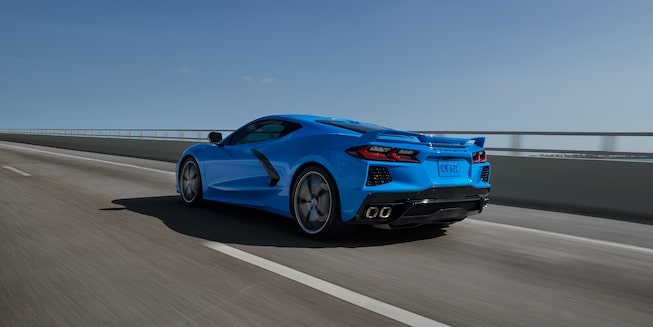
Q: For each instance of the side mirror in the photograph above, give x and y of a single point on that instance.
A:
(215, 137)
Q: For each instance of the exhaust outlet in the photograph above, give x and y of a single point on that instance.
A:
(378, 212)
(371, 212)
(385, 212)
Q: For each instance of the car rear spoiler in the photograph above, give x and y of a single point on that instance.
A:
(480, 140)
(401, 136)
(412, 137)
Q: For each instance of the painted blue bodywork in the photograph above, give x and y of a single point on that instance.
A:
(234, 174)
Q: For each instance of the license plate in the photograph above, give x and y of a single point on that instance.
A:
(449, 168)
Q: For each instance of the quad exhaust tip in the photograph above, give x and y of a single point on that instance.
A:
(378, 212)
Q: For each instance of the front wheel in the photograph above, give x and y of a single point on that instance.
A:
(315, 203)
(190, 183)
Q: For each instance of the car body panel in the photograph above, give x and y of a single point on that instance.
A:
(261, 173)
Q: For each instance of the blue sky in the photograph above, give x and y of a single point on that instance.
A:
(551, 65)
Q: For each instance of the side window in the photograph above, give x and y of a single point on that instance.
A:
(263, 131)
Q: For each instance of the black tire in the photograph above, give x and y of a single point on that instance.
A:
(190, 183)
(315, 204)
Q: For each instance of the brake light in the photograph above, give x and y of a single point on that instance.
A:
(479, 157)
(383, 153)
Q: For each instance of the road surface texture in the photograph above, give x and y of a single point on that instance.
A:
(89, 239)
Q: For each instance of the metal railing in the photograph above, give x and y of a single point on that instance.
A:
(151, 134)
(619, 145)
(629, 145)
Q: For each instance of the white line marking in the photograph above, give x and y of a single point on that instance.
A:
(365, 302)
(17, 171)
(563, 236)
(342, 293)
(91, 159)
(335, 290)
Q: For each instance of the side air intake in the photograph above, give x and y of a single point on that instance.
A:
(485, 174)
(377, 176)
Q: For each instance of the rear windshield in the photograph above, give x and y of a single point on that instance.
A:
(353, 126)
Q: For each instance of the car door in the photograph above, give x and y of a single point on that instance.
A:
(234, 170)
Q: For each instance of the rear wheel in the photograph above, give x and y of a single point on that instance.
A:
(190, 183)
(315, 203)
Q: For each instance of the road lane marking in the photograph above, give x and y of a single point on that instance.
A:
(365, 302)
(17, 171)
(563, 236)
(91, 159)
(352, 296)
(360, 300)
(474, 221)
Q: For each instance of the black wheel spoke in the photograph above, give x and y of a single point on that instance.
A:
(310, 185)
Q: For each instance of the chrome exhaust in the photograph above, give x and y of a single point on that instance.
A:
(385, 212)
(371, 212)
(378, 212)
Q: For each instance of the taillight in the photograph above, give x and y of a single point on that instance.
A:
(479, 157)
(383, 153)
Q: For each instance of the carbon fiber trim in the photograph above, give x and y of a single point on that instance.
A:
(274, 176)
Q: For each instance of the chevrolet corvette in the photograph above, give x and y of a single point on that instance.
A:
(327, 173)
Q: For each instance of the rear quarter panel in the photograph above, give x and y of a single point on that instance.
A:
(327, 150)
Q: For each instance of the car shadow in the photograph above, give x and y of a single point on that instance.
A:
(237, 225)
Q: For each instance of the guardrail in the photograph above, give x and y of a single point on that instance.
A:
(585, 145)
(144, 134)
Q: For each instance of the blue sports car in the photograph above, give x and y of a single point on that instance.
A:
(326, 173)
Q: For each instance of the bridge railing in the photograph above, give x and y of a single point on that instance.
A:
(599, 145)
(530, 173)
(198, 135)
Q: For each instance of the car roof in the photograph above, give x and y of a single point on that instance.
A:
(327, 123)
(301, 118)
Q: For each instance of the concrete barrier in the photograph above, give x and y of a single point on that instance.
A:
(163, 150)
(619, 189)
(600, 187)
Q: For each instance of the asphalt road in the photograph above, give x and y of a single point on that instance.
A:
(107, 242)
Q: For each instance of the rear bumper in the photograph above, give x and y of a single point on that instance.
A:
(434, 205)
